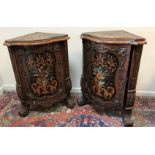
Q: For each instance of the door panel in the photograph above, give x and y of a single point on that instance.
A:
(107, 73)
(104, 68)
(42, 72)
(41, 69)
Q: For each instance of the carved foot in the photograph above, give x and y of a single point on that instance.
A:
(127, 118)
(82, 101)
(24, 110)
(69, 104)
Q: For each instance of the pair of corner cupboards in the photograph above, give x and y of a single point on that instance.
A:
(111, 61)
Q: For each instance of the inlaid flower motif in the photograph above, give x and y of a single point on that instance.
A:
(42, 69)
(99, 76)
(103, 71)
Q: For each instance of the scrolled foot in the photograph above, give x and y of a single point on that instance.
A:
(24, 110)
(82, 101)
(69, 103)
(127, 122)
(127, 118)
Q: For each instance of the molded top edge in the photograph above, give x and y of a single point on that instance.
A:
(36, 39)
(114, 37)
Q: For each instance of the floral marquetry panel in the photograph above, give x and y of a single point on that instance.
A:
(105, 73)
(42, 72)
(104, 67)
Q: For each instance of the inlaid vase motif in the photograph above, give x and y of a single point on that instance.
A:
(104, 67)
(42, 70)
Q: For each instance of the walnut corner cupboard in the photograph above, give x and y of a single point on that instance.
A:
(41, 68)
(111, 62)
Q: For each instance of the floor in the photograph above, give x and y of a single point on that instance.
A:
(60, 116)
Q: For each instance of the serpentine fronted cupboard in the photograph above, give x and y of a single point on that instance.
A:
(41, 68)
(111, 62)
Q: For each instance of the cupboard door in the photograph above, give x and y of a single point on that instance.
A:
(107, 73)
(41, 71)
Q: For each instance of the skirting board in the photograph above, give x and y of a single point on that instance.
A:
(9, 87)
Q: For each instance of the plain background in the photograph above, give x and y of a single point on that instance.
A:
(146, 78)
(79, 13)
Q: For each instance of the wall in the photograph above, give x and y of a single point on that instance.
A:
(146, 79)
